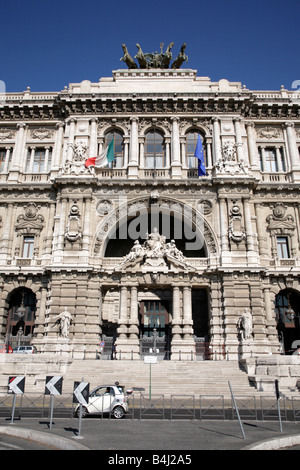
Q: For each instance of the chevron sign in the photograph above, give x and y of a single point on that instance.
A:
(53, 385)
(16, 384)
(81, 392)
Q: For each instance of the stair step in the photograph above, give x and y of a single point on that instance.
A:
(167, 377)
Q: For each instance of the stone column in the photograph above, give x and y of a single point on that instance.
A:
(208, 153)
(126, 151)
(133, 342)
(72, 124)
(175, 149)
(62, 223)
(261, 231)
(270, 318)
(6, 234)
(248, 224)
(17, 155)
(40, 320)
(93, 138)
(176, 320)
(293, 151)
(86, 228)
(223, 224)
(49, 230)
(58, 146)
(217, 154)
(122, 330)
(167, 142)
(253, 153)
(7, 156)
(134, 149)
(32, 152)
(187, 313)
(278, 158)
(18, 150)
(46, 164)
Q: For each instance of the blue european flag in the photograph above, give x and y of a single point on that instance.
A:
(199, 154)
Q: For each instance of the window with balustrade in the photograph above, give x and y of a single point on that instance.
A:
(38, 159)
(117, 137)
(271, 159)
(5, 159)
(155, 151)
(190, 147)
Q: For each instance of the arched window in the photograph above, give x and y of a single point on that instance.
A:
(190, 146)
(118, 148)
(155, 155)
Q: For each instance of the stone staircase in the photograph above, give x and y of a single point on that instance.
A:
(167, 377)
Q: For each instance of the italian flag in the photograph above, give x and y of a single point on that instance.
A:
(103, 159)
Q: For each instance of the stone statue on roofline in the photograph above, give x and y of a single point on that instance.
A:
(154, 60)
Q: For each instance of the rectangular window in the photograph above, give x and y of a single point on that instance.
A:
(2, 159)
(282, 247)
(28, 245)
(270, 160)
(38, 160)
(5, 159)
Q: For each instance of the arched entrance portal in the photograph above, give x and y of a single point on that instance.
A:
(160, 305)
(21, 316)
(287, 308)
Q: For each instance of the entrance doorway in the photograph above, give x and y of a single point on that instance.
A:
(154, 323)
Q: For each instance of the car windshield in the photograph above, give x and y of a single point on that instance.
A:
(120, 388)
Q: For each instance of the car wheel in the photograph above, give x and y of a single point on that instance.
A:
(118, 412)
(84, 412)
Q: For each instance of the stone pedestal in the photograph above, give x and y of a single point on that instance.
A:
(182, 350)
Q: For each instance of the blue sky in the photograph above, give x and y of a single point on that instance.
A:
(49, 44)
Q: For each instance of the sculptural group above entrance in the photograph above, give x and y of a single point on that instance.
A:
(157, 60)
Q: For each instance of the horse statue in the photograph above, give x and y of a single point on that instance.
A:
(167, 56)
(141, 58)
(128, 59)
(180, 58)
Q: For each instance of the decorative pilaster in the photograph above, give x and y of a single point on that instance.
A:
(93, 138)
(133, 149)
(217, 154)
(292, 147)
(122, 330)
(187, 313)
(175, 149)
(58, 146)
(17, 156)
(253, 154)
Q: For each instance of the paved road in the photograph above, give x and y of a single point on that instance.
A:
(15, 443)
(152, 436)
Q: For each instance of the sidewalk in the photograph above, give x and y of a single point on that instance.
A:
(153, 435)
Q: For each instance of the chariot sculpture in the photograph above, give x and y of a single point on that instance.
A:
(157, 60)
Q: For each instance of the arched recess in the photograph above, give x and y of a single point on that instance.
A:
(192, 233)
(21, 306)
(287, 314)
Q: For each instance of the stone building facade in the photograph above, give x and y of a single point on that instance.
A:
(145, 251)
